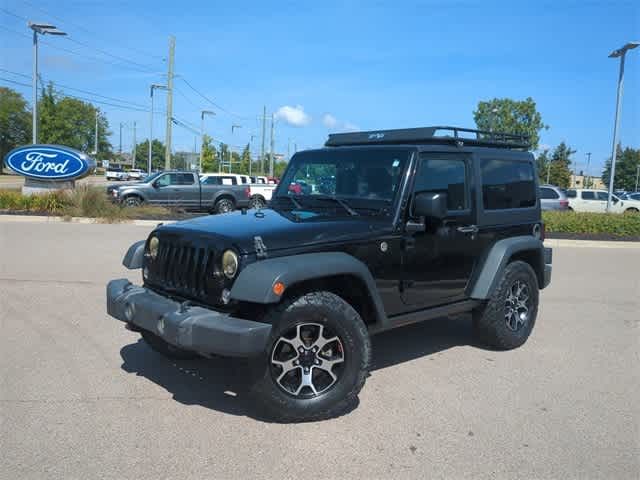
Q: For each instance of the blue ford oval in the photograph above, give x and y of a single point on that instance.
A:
(49, 162)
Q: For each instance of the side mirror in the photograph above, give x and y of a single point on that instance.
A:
(430, 205)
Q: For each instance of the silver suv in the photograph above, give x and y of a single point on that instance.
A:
(553, 198)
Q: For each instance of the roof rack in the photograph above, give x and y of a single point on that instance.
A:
(430, 135)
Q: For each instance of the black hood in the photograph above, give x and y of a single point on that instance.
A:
(279, 229)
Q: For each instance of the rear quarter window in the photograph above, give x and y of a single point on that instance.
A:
(507, 184)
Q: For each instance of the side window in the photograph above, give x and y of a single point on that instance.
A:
(212, 181)
(185, 179)
(571, 194)
(548, 194)
(228, 181)
(444, 174)
(507, 184)
(602, 196)
(588, 195)
(164, 181)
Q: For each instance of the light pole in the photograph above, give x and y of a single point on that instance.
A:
(637, 177)
(620, 53)
(202, 114)
(250, 150)
(588, 183)
(153, 87)
(42, 29)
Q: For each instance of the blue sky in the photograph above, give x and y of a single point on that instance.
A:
(340, 65)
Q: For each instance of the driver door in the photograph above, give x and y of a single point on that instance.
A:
(437, 262)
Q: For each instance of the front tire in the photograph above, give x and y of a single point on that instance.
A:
(316, 361)
(257, 203)
(132, 201)
(166, 349)
(506, 320)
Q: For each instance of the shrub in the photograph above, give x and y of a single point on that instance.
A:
(620, 225)
(84, 201)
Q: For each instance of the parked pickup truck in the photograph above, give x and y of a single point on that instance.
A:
(116, 173)
(182, 190)
(260, 190)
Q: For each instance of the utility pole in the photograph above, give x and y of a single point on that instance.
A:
(95, 144)
(120, 147)
(264, 125)
(587, 172)
(133, 160)
(637, 176)
(250, 152)
(548, 170)
(167, 152)
(271, 148)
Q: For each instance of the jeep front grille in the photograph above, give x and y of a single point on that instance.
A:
(187, 271)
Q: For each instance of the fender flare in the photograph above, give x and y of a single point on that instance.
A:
(133, 258)
(255, 282)
(128, 192)
(491, 266)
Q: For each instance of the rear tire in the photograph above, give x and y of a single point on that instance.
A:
(257, 203)
(316, 361)
(506, 320)
(224, 205)
(631, 210)
(166, 349)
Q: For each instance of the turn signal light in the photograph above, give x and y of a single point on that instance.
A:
(278, 288)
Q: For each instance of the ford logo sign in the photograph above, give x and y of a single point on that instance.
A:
(49, 162)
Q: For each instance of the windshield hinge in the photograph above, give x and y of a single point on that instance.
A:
(260, 247)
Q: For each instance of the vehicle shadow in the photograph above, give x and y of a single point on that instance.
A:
(222, 384)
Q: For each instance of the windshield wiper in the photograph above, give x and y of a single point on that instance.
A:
(339, 201)
(293, 200)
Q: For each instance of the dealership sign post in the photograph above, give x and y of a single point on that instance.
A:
(49, 167)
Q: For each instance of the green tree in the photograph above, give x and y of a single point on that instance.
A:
(157, 154)
(627, 164)
(15, 122)
(71, 122)
(209, 155)
(245, 160)
(555, 169)
(511, 116)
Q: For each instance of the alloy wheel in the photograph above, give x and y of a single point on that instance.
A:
(517, 306)
(307, 360)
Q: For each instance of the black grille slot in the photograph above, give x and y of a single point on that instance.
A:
(187, 270)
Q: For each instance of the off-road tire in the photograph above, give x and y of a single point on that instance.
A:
(166, 349)
(489, 322)
(224, 205)
(333, 313)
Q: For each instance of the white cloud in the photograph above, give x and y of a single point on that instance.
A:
(294, 116)
(329, 120)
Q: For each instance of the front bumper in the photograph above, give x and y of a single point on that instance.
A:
(183, 325)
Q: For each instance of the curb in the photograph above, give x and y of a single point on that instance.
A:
(549, 242)
(81, 220)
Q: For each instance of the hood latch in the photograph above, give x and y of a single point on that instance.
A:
(260, 247)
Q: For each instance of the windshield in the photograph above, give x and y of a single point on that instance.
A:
(150, 178)
(352, 179)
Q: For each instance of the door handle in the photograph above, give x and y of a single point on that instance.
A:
(468, 229)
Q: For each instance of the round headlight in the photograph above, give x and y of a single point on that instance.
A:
(229, 263)
(154, 245)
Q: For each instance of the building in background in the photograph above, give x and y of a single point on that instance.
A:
(583, 181)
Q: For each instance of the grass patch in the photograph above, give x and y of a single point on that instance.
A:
(84, 201)
(618, 225)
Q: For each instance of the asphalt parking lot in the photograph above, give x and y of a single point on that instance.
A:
(82, 397)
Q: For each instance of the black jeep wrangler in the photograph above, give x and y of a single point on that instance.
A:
(392, 227)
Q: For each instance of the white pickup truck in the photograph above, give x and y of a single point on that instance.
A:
(260, 189)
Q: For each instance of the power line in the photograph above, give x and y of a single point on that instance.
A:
(80, 27)
(181, 93)
(87, 92)
(209, 100)
(14, 82)
(103, 52)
